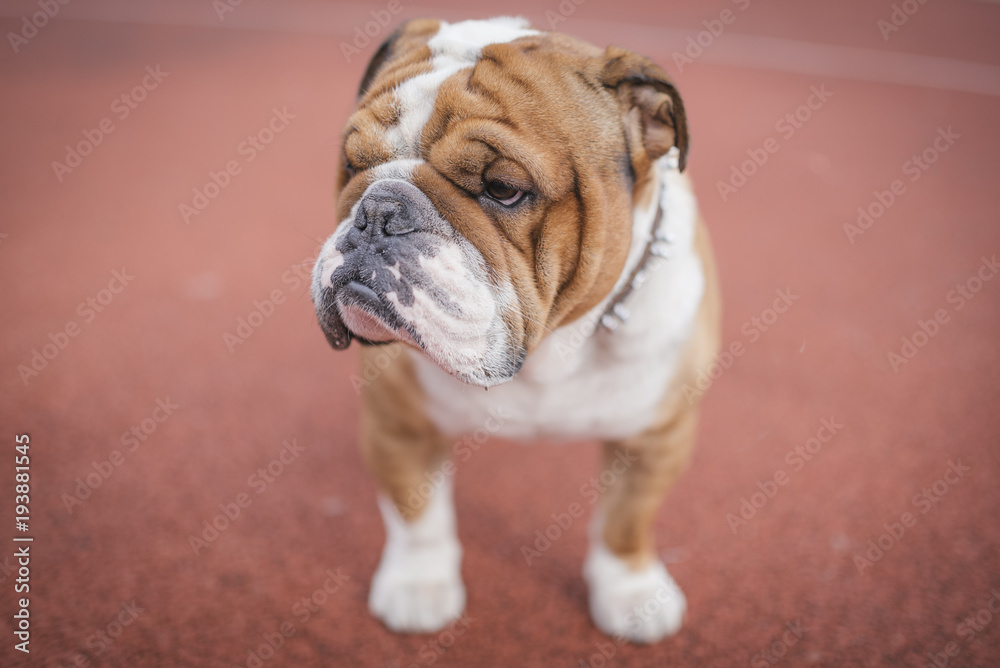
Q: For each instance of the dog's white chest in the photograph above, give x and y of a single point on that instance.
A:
(584, 381)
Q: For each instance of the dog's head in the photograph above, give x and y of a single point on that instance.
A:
(485, 191)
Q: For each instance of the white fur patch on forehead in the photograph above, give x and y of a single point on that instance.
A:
(455, 47)
(465, 40)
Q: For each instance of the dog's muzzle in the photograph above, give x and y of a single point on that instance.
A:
(374, 255)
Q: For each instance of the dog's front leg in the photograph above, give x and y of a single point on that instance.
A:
(631, 594)
(417, 587)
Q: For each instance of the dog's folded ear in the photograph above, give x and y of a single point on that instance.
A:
(651, 107)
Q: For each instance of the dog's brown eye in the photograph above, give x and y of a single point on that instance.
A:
(503, 193)
(349, 168)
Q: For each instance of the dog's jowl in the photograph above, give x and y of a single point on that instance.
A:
(513, 215)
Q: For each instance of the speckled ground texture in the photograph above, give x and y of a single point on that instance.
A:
(124, 552)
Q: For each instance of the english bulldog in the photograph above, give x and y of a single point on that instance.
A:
(513, 217)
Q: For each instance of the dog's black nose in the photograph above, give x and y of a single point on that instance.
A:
(385, 215)
(391, 209)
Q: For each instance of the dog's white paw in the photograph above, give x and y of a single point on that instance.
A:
(642, 607)
(418, 587)
(418, 590)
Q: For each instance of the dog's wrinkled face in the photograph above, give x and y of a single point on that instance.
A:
(486, 190)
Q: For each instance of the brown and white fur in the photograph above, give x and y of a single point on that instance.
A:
(485, 294)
